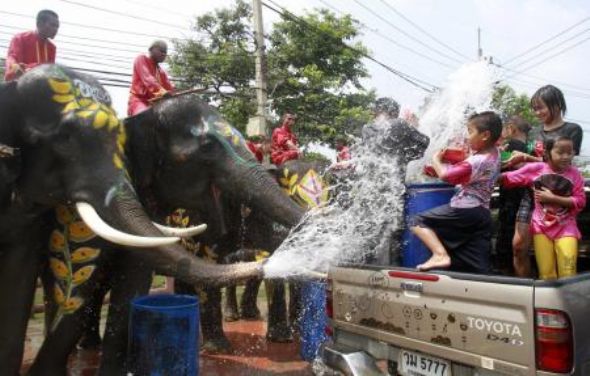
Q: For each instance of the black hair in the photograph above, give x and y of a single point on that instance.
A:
(487, 121)
(519, 123)
(550, 144)
(553, 99)
(388, 106)
(44, 16)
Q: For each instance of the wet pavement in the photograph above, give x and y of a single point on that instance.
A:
(252, 354)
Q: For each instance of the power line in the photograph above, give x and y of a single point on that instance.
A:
(542, 79)
(422, 30)
(549, 49)
(547, 40)
(408, 35)
(289, 15)
(554, 55)
(60, 35)
(118, 31)
(124, 14)
(161, 9)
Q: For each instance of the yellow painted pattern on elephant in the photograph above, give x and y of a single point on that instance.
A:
(59, 268)
(57, 241)
(100, 115)
(84, 254)
(82, 275)
(80, 232)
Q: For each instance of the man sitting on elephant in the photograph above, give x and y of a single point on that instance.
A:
(32, 48)
(285, 146)
(149, 81)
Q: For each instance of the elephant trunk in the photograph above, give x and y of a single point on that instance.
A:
(260, 191)
(127, 214)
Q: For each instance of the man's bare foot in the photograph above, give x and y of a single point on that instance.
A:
(434, 262)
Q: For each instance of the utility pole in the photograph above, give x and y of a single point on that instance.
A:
(257, 125)
(479, 50)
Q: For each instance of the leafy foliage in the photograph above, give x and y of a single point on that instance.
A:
(310, 70)
(508, 103)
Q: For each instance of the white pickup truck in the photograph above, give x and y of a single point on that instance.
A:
(454, 324)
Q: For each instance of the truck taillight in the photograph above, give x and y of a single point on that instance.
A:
(329, 308)
(554, 343)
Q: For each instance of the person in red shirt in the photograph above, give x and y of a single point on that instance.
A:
(342, 149)
(32, 48)
(149, 81)
(260, 149)
(284, 144)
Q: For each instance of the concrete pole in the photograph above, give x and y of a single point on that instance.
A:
(257, 125)
(479, 50)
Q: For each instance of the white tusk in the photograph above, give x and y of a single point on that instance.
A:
(181, 232)
(102, 229)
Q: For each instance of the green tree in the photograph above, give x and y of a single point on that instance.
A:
(221, 60)
(314, 74)
(311, 71)
(506, 101)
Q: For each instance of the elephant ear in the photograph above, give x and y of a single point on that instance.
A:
(140, 148)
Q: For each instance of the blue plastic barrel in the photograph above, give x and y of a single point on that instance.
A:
(314, 319)
(421, 197)
(164, 335)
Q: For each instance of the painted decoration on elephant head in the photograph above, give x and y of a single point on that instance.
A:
(309, 191)
(91, 104)
(71, 260)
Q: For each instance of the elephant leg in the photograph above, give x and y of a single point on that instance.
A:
(19, 268)
(294, 304)
(214, 339)
(53, 355)
(248, 303)
(278, 326)
(131, 278)
(230, 307)
(91, 335)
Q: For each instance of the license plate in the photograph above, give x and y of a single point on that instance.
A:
(416, 364)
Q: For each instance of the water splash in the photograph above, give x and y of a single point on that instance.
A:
(359, 224)
(443, 118)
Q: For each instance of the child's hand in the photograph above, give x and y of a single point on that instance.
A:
(437, 157)
(516, 158)
(544, 195)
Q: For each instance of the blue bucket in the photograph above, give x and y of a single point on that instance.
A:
(164, 335)
(421, 197)
(313, 319)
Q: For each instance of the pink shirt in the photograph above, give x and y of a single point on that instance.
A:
(476, 177)
(549, 219)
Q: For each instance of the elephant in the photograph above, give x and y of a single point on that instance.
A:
(183, 154)
(71, 152)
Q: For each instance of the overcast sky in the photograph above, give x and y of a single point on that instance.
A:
(426, 39)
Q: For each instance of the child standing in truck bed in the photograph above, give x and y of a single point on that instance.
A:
(459, 234)
(515, 134)
(559, 197)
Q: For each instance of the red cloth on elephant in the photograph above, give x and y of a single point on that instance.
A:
(280, 152)
(343, 154)
(27, 48)
(256, 149)
(148, 82)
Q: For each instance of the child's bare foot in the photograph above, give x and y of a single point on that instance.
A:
(435, 261)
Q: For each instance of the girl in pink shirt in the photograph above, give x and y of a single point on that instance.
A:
(559, 197)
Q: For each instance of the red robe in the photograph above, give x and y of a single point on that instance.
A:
(29, 49)
(279, 151)
(343, 154)
(148, 79)
(256, 149)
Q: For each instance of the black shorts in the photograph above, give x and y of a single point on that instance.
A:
(465, 233)
(525, 210)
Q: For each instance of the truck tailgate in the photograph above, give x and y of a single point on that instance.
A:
(485, 322)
